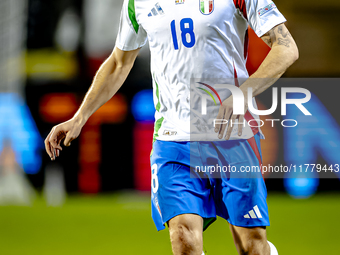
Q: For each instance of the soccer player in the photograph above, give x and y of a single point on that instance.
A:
(196, 40)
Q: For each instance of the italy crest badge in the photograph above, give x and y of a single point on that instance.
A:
(206, 6)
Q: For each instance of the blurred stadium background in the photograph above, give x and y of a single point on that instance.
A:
(95, 198)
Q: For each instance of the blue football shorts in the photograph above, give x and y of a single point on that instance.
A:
(209, 179)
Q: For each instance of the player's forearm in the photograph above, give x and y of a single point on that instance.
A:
(278, 60)
(109, 78)
(282, 55)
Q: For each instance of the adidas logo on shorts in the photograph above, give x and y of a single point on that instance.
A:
(254, 213)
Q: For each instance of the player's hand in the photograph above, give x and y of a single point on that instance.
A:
(69, 130)
(226, 113)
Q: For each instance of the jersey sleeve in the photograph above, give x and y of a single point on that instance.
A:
(131, 35)
(262, 15)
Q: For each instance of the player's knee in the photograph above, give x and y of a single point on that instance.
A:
(256, 248)
(186, 239)
(256, 245)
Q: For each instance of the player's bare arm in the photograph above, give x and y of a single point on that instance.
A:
(283, 54)
(109, 78)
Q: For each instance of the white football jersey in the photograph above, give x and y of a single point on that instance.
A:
(194, 42)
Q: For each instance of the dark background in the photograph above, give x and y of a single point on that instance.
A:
(65, 43)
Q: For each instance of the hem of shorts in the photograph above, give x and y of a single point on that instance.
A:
(246, 225)
(188, 212)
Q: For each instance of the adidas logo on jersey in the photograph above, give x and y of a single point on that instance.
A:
(156, 10)
(254, 214)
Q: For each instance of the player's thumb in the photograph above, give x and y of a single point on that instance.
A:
(68, 139)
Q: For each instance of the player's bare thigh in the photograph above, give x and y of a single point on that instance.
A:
(250, 240)
(186, 234)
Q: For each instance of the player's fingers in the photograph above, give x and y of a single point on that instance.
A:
(219, 119)
(50, 151)
(69, 138)
(240, 125)
(54, 138)
(48, 146)
(57, 152)
(230, 127)
(59, 139)
(225, 124)
(54, 153)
